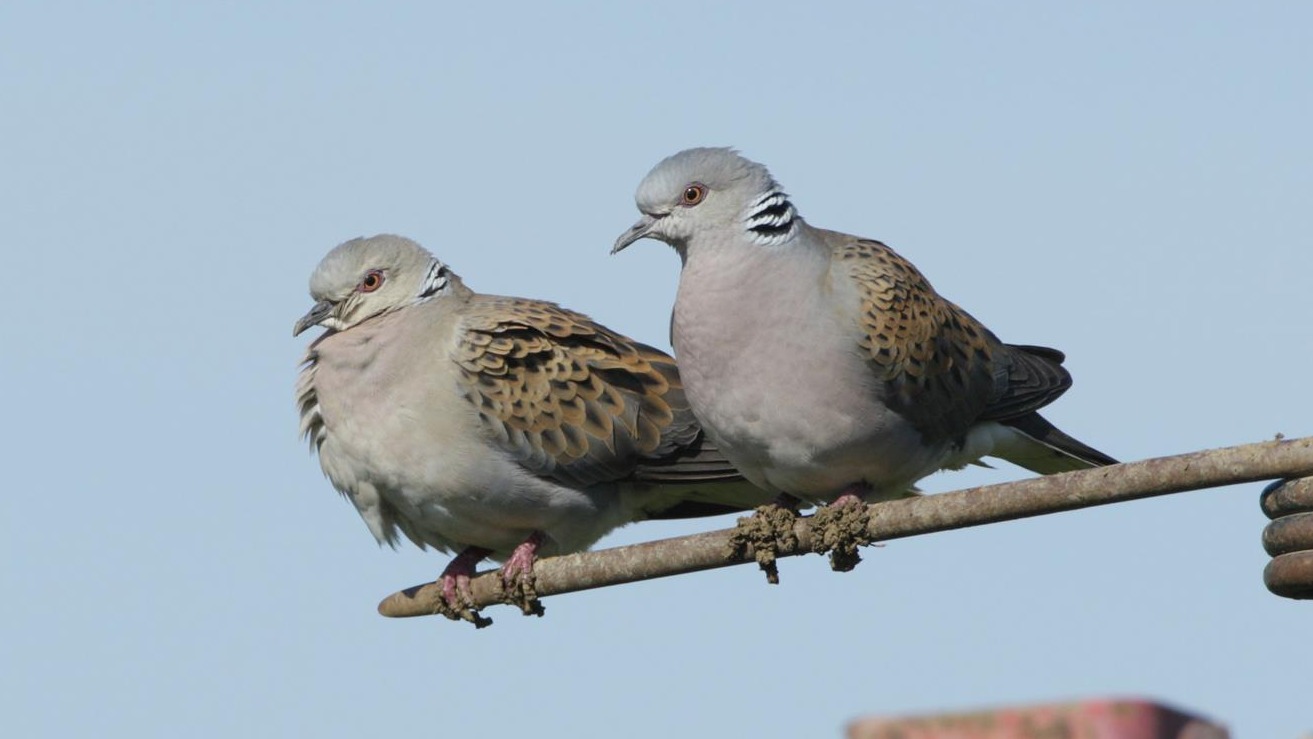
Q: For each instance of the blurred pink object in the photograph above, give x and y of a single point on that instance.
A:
(1127, 718)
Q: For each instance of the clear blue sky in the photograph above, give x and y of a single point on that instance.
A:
(1129, 183)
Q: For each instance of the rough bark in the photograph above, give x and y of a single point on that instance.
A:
(1282, 458)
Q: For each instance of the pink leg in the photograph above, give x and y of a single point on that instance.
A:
(521, 560)
(840, 527)
(517, 576)
(854, 493)
(455, 579)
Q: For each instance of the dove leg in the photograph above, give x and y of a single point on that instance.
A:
(788, 502)
(854, 494)
(768, 531)
(517, 575)
(455, 579)
(840, 527)
(521, 560)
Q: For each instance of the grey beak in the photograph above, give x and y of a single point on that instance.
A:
(318, 313)
(638, 231)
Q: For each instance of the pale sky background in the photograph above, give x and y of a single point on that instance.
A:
(1131, 184)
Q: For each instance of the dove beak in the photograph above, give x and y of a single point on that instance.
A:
(639, 230)
(321, 310)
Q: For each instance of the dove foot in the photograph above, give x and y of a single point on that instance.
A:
(768, 531)
(517, 577)
(840, 528)
(457, 603)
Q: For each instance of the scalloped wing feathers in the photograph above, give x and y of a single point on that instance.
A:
(567, 397)
(943, 370)
(937, 361)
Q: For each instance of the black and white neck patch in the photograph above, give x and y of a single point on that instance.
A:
(770, 219)
(434, 282)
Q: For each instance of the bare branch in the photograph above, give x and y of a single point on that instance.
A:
(899, 518)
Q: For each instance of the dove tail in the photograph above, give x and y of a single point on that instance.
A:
(696, 481)
(1041, 447)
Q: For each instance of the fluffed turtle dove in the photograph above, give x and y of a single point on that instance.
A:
(492, 426)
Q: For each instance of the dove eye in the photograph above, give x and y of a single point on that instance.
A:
(693, 194)
(372, 281)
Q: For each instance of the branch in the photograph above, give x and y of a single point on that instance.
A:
(897, 519)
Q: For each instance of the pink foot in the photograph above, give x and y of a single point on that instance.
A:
(854, 493)
(517, 576)
(767, 533)
(455, 579)
(520, 563)
(841, 527)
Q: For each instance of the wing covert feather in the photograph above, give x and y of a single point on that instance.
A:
(568, 397)
(943, 370)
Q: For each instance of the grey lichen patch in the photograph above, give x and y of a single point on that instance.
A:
(840, 530)
(518, 590)
(768, 531)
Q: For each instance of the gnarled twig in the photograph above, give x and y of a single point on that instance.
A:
(900, 518)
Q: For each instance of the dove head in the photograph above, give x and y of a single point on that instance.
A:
(366, 277)
(699, 192)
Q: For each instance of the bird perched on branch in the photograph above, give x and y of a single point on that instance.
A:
(824, 365)
(492, 426)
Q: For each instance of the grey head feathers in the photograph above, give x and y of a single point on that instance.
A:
(706, 190)
(366, 277)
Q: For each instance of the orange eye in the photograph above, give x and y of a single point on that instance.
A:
(693, 194)
(372, 281)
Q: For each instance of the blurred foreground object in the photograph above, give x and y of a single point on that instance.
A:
(1126, 718)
